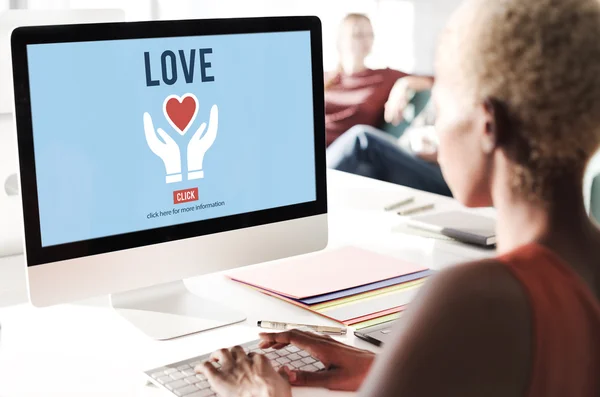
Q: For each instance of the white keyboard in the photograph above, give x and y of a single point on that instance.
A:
(180, 379)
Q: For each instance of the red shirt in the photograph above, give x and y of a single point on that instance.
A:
(566, 324)
(356, 99)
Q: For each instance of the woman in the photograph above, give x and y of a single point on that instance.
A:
(357, 100)
(518, 98)
(355, 94)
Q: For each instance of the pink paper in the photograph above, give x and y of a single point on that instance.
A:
(374, 315)
(325, 272)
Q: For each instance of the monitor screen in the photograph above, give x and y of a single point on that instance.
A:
(137, 134)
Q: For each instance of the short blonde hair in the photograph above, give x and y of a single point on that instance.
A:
(541, 60)
(349, 19)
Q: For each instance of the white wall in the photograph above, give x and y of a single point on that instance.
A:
(430, 18)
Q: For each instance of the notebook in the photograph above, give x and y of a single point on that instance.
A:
(459, 225)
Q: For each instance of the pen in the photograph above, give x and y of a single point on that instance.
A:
(414, 210)
(399, 204)
(323, 329)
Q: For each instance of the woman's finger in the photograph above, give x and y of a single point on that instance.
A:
(312, 343)
(212, 374)
(388, 112)
(286, 373)
(279, 346)
(398, 115)
(223, 356)
(260, 360)
(238, 353)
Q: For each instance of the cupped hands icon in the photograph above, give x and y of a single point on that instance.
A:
(168, 150)
(199, 145)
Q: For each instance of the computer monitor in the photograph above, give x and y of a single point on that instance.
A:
(12, 19)
(150, 152)
(10, 233)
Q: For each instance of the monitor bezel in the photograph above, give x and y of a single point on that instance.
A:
(37, 254)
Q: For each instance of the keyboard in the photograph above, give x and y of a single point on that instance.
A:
(180, 379)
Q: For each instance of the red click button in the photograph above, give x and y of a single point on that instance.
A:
(185, 196)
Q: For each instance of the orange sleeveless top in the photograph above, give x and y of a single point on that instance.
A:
(566, 324)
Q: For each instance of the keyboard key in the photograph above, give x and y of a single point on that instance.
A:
(202, 393)
(200, 377)
(292, 349)
(273, 356)
(159, 374)
(177, 375)
(164, 379)
(203, 385)
(182, 367)
(309, 368)
(282, 360)
(191, 379)
(195, 364)
(294, 357)
(308, 360)
(303, 353)
(319, 365)
(176, 384)
(189, 372)
(189, 389)
(298, 364)
(253, 347)
(169, 371)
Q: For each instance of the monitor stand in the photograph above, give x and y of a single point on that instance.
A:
(167, 311)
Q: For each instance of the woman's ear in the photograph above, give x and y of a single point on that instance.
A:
(497, 130)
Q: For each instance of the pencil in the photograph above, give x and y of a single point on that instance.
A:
(414, 210)
(399, 204)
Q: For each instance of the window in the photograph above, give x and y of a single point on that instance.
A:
(392, 20)
(135, 10)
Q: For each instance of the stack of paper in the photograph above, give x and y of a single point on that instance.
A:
(349, 285)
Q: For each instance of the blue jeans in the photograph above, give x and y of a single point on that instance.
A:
(367, 151)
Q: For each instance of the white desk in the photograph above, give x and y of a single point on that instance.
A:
(86, 349)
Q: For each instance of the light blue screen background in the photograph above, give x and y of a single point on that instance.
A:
(96, 175)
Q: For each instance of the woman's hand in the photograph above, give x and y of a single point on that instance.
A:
(424, 143)
(401, 94)
(345, 367)
(397, 101)
(244, 375)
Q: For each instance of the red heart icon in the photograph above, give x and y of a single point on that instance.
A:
(181, 111)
